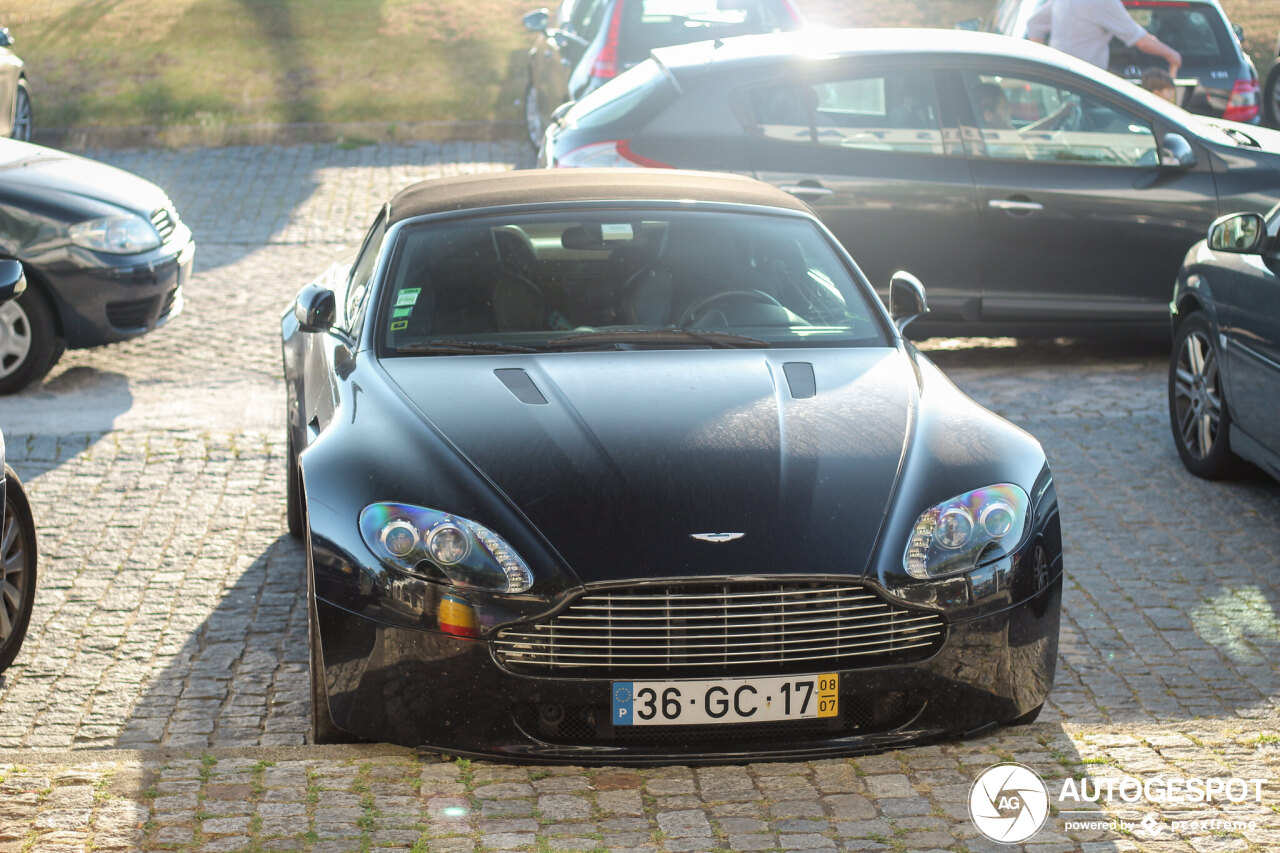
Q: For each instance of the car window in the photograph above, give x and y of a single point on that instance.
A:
(650, 24)
(1027, 119)
(362, 274)
(586, 16)
(894, 111)
(1195, 30)
(530, 279)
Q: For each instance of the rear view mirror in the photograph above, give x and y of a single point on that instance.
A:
(315, 308)
(906, 299)
(1241, 233)
(1176, 152)
(12, 281)
(536, 21)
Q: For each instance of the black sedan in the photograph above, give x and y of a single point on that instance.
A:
(1224, 377)
(17, 527)
(635, 467)
(1035, 193)
(104, 251)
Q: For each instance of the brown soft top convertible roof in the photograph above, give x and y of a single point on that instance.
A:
(535, 186)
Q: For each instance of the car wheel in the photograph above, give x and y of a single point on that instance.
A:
(533, 124)
(323, 728)
(1197, 406)
(29, 342)
(17, 569)
(21, 128)
(1271, 96)
(1027, 718)
(293, 489)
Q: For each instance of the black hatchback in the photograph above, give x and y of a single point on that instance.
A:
(1033, 193)
(1217, 77)
(587, 42)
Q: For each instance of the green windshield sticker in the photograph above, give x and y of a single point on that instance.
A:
(401, 312)
(399, 325)
(408, 297)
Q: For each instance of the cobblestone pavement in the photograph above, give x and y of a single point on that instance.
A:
(161, 700)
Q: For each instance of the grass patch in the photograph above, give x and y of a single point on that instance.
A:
(230, 62)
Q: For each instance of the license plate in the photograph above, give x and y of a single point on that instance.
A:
(725, 700)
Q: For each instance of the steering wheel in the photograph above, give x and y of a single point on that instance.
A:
(700, 309)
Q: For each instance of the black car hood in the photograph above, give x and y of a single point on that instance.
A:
(634, 453)
(43, 170)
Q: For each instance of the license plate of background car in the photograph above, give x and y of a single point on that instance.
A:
(725, 700)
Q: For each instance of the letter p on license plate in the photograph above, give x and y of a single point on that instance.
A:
(725, 700)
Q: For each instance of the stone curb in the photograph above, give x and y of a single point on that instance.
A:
(301, 133)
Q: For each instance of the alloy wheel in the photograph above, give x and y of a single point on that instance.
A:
(14, 574)
(15, 337)
(1197, 395)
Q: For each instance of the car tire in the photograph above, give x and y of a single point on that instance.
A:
(1271, 97)
(1198, 411)
(17, 569)
(293, 489)
(22, 123)
(29, 340)
(323, 728)
(1027, 718)
(534, 126)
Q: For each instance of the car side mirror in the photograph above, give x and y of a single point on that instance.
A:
(315, 308)
(906, 299)
(1240, 233)
(536, 21)
(1239, 31)
(1176, 152)
(6, 40)
(969, 24)
(12, 281)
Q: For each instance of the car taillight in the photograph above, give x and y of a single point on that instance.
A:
(606, 65)
(616, 153)
(1243, 103)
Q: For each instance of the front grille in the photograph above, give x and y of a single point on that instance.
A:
(861, 713)
(132, 313)
(722, 628)
(165, 221)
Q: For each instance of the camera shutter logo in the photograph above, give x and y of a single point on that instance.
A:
(1008, 803)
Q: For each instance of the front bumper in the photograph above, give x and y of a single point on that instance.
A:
(103, 298)
(422, 688)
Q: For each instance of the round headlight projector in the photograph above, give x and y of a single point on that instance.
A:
(399, 538)
(955, 526)
(448, 544)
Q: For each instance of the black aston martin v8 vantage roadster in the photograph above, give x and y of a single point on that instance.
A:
(607, 466)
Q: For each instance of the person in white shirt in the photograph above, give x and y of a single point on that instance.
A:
(1084, 28)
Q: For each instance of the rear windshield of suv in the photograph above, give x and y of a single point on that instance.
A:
(1196, 30)
(650, 24)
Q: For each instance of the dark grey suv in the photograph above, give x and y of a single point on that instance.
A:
(1033, 193)
(1217, 77)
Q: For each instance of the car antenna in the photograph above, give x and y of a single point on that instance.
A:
(718, 43)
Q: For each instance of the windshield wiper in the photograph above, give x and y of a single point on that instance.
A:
(461, 348)
(718, 340)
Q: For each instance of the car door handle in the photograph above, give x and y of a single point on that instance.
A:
(1018, 206)
(799, 190)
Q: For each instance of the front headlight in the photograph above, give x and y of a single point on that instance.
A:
(117, 235)
(438, 545)
(967, 531)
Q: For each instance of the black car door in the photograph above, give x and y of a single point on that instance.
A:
(869, 147)
(1247, 294)
(1078, 219)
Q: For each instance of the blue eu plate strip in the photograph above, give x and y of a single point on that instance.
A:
(622, 696)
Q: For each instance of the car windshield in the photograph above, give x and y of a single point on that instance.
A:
(621, 279)
(651, 24)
